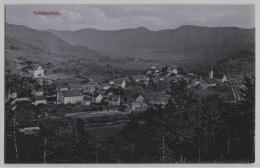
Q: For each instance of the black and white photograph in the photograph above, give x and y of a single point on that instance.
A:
(129, 83)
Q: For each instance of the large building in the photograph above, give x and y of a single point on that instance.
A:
(71, 97)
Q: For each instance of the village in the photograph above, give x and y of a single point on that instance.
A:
(118, 97)
(45, 108)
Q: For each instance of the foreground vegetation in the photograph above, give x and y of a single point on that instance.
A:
(190, 129)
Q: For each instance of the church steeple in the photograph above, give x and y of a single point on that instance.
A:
(211, 73)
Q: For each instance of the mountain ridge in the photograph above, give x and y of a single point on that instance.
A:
(175, 45)
(129, 49)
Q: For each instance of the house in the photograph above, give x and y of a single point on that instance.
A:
(110, 94)
(157, 71)
(40, 80)
(87, 100)
(12, 95)
(114, 100)
(139, 78)
(39, 100)
(158, 99)
(153, 68)
(140, 99)
(89, 89)
(175, 71)
(37, 93)
(105, 86)
(224, 79)
(207, 85)
(111, 82)
(220, 77)
(139, 106)
(121, 82)
(49, 81)
(71, 97)
(51, 99)
(29, 130)
(62, 87)
(38, 72)
(99, 98)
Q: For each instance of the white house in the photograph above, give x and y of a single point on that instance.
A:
(224, 79)
(72, 97)
(138, 107)
(87, 100)
(175, 71)
(39, 100)
(106, 86)
(90, 89)
(12, 95)
(37, 93)
(38, 72)
(123, 84)
(99, 98)
(140, 99)
(29, 130)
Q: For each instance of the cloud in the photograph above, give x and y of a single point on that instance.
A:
(110, 17)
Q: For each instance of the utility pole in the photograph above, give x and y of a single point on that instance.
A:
(96, 156)
(206, 137)
(199, 153)
(44, 153)
(163, 150)
(14, 130)
(228, 143)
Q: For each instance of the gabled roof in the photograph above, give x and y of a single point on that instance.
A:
(72, 93)
(88, 98)
(113, 98)
(39, 98)
(120, 80)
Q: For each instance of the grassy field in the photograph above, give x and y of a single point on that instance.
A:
(104, 132)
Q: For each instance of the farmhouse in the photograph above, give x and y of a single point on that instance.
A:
(140, 99)
(120, 82)
(71, 97)
(37, 92)
(138, 107)
(114, 100)
(87, 100)
(89, 89)
(39, 100)
(62, 87)
(99, 98)
(38, 72)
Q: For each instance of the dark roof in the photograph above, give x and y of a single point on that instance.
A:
(61, 85)
(51, 98)
(72, 93)
(218, 75)
(155, 96)
(87, 98)
(113, 98)
(39, 98)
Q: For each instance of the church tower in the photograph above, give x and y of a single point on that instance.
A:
(211, 73)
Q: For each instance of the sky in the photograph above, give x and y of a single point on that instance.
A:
(114, 17)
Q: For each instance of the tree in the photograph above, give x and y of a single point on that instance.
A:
(247, 112)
